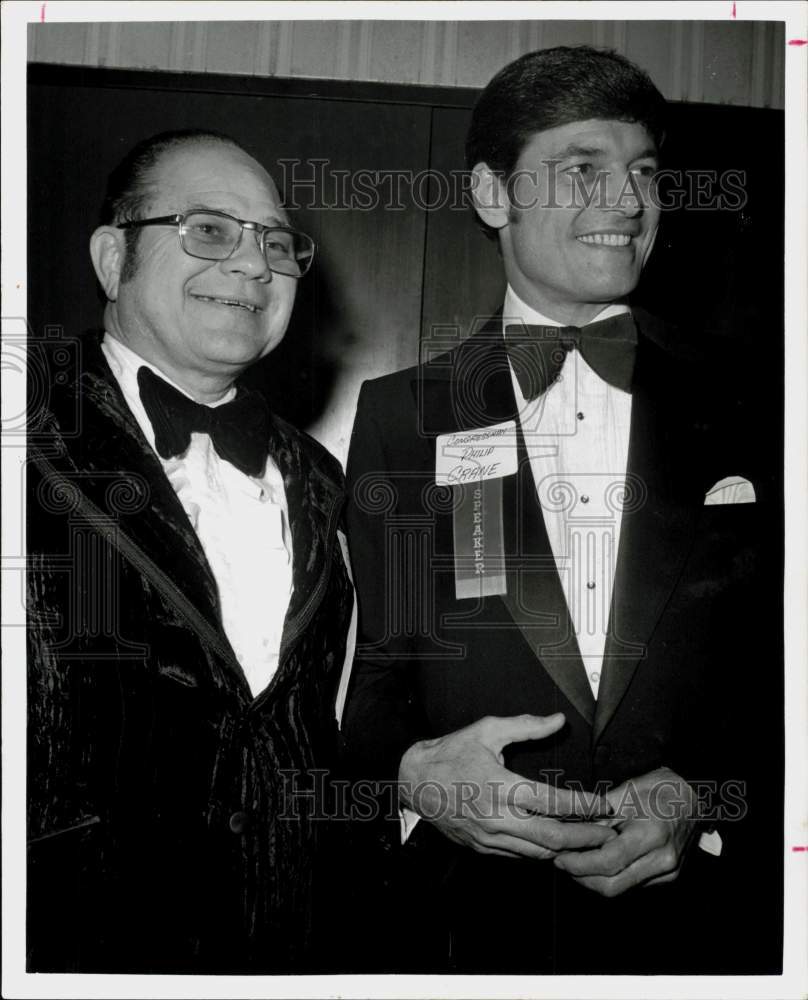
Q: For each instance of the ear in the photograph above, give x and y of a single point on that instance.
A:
(107, 250)
(490, 197)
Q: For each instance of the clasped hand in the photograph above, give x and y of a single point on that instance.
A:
(638, 833)
(655, 817)
(459, 783)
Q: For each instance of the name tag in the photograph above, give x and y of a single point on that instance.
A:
(476, 455)
(473, 463)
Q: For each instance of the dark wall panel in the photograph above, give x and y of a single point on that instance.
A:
(463, 275)
(357, 313)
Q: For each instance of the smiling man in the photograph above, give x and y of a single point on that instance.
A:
(554, 538)
(188, 600)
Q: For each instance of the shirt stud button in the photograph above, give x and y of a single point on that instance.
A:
(590, 585)
(594, 677)
(579, 415)
(584, 499)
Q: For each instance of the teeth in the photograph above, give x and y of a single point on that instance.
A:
(606, 239)
(227, 302)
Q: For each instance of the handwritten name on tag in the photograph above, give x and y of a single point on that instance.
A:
(476, 455)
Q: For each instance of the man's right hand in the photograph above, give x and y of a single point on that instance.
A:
(458, 782)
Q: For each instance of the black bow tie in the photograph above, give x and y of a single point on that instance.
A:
(239, 429)
(537, 353)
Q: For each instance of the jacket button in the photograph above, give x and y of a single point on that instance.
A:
(239, 822)
(603, 754)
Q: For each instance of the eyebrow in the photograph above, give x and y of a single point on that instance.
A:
(573, 150)
(274, 220)
(596, 151)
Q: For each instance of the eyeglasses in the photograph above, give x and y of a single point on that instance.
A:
(217, 236)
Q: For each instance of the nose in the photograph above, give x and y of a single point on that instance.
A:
(623, 193)
(248, 259)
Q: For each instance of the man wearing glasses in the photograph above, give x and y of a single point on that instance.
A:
(188, 599)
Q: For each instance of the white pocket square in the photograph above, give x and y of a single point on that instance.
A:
(733, 489)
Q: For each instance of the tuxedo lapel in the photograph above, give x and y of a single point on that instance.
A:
(475, 381)
(536, 599)
(122, 474)
(111, 465)
(314, 502)
(662, 505)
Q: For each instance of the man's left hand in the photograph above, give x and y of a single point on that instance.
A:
(656, 818)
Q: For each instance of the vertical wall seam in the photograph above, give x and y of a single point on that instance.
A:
(365, 44)
(283, 55)
(677, 63)
(343, 61)
(199, 46)
(113, 50)
(599, 38)
(92, 45)
(263, 50)
(619, 37)
(176, 45)
(516, 40)
(695, 88)
(429, 46)
(449, 61)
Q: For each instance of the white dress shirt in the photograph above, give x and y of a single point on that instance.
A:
(577, 436)
(242, 525)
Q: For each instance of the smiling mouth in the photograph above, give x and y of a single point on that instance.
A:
(235, 303)
(606, 239)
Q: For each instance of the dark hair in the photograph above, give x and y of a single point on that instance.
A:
(128, 186)
(552, 87)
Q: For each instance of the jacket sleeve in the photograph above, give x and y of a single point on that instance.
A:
(382, 717)
(67, 820)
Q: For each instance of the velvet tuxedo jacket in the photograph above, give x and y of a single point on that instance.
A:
(693, 641)
(172, 821)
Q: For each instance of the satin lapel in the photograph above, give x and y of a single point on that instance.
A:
(472, 388)
(663, 501)
(120, 473)
(314, 502)
(536, 599)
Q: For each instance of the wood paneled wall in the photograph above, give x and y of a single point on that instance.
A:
(406, 269)
(718, 62)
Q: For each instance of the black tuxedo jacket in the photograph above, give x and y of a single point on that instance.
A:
(171, 821)
(693, 643)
